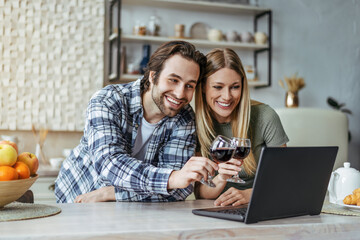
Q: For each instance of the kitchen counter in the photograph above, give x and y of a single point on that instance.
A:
(125, 220)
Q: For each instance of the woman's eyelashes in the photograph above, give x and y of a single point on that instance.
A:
(232, 87)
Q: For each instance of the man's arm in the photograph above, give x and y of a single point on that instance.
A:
(109, 149)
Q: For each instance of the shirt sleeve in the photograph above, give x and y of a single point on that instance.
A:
(109, 149)
(177, 151)
(274, 133)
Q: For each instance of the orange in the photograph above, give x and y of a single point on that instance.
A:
(22, 169)
(8, 173)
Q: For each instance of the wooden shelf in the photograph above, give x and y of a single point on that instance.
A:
(198, 6)
(196, 42)
(132, 77)
(193, 7)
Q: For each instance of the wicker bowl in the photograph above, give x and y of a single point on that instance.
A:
(14, 189)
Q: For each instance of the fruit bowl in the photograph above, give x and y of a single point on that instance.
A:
(14, 189)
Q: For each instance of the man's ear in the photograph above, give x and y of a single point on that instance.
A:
(152, 76)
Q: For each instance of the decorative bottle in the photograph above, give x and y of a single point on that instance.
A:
(145, 59)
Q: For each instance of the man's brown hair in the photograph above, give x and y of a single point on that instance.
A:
(164, 52)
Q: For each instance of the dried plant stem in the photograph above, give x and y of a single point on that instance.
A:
(293, 83)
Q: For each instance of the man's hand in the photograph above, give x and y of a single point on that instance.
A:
(195, 169)
(229, 169)
(100, 195)
(234, 197)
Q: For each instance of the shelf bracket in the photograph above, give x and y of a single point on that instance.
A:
(269, 49)
(114, 40)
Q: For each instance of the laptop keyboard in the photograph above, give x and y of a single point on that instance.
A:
(237, 211)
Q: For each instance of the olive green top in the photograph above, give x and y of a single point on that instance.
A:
(265, 129)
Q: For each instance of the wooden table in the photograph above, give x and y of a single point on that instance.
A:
(171, 221)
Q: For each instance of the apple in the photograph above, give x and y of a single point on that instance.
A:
(8, 155)
(10, 143)
(31, 160)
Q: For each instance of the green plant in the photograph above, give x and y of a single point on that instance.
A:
(341, 107)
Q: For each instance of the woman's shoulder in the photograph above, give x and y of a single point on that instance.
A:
(263, 112)
(262, 108)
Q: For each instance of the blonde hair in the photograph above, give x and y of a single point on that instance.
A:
(216, 60)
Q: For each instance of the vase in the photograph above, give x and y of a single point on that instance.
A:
(145, 59)
(291, 99)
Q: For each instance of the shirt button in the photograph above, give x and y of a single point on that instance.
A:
(136, 125)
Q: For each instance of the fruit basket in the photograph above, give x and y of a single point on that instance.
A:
(14, 189)
(17, 172)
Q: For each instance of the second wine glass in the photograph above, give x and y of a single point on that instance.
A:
(242, 150)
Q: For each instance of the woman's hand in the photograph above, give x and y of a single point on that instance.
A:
(229, 169)
(234, 197)
(103, 194)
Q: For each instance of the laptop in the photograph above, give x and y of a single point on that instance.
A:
(289, 182)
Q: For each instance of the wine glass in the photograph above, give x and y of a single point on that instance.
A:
(221, 150)
(242, 150)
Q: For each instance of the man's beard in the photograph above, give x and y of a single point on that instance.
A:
(159, 101)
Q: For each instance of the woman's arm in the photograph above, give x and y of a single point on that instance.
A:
(234, 197)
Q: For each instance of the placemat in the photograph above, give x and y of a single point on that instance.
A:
(21, 211)
(338, 210)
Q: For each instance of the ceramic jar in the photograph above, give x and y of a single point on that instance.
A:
(247, 37)
(154, 26)
(179, 30)
(232, 36)
(215, 35)
(260, 38)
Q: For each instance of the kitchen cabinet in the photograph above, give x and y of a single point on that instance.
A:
(115, 35)
(43, 188)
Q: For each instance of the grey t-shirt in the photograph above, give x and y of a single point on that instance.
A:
(265, 129)
(142, 139)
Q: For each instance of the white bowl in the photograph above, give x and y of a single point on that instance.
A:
(56, 162)
(66, 152)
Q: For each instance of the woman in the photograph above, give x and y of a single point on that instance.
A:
(223, 107)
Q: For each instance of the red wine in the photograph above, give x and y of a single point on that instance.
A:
(241, 152)
(220, 155)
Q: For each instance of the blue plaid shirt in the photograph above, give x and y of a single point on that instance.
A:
(103, 157)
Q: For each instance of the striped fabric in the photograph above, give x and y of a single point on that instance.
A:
(103, 157)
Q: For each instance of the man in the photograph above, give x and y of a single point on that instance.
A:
(139, 138)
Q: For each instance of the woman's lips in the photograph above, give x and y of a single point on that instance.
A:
(223, 105)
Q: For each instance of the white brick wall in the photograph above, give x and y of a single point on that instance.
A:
(51, 62)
